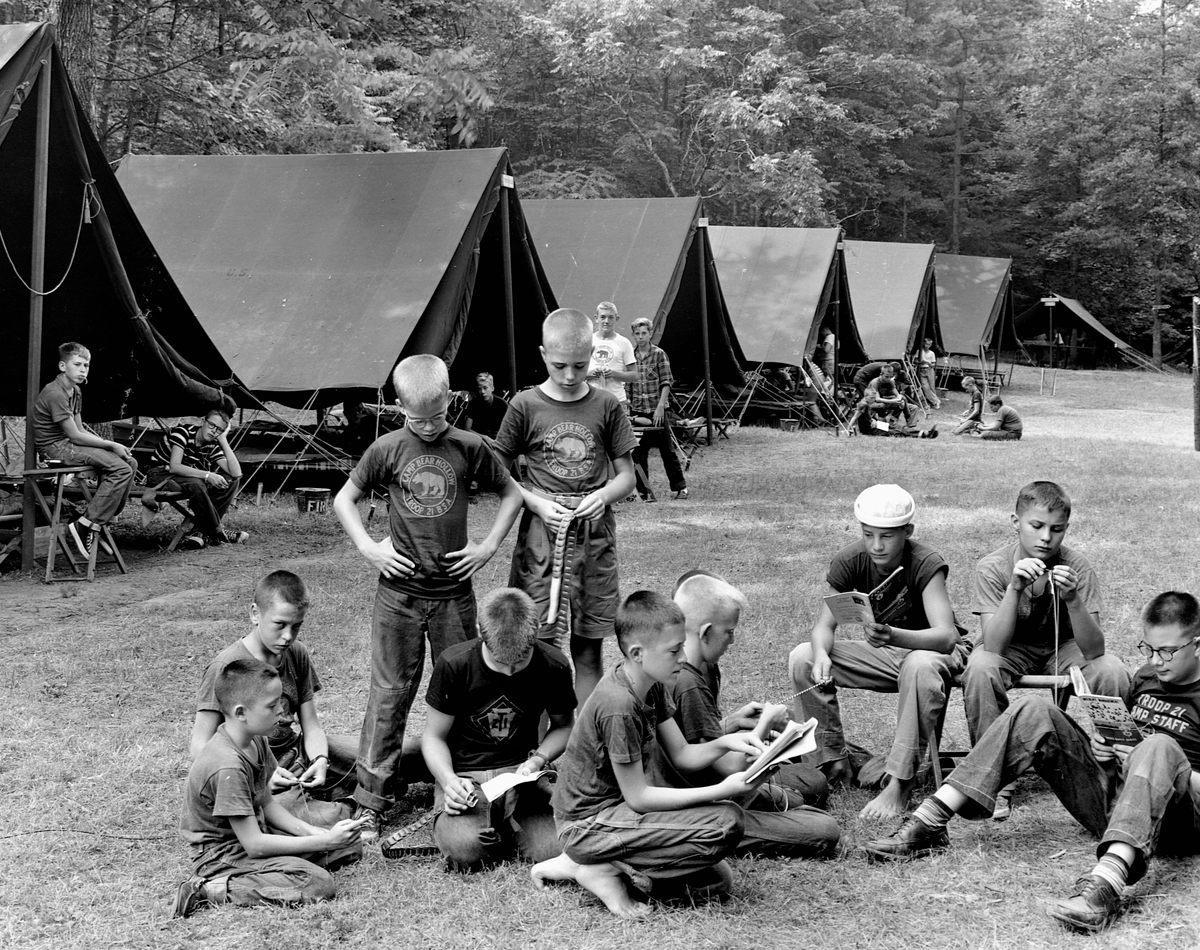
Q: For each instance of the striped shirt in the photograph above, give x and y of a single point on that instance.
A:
(204, 457)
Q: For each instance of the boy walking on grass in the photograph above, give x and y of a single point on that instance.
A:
(486, 699)
(425, 565)
(1138, 800)
(569, 434)
(914, 648)
(59, 433)
(779, 817)
(246, 847)
(308, 760)
(1021, 591)
(622, 837)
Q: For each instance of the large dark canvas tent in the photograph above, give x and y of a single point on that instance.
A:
(781, 285)
(652, 258)
(317, 273)
(975, 305)
(892, 291)
(110, 292)
(1065, 333)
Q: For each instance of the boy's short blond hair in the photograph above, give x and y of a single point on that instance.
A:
(643, 617)
(67, 350)
(241, 682)
(421, 380)
(567, 328)
(702, 597)
(508, 624)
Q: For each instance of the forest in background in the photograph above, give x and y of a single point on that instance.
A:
(1062, 133)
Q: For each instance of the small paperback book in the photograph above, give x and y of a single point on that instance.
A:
(853, 606)
(794, 740)
(1109, 716)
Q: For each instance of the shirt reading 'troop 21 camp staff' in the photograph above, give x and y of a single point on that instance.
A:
(427, 486)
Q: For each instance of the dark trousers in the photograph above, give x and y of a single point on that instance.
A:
(205, 501)
(657, 438)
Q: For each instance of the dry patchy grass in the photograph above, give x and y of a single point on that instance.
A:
(96, 685)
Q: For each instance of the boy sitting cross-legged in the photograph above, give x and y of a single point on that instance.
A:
(309, 761)
(779, 819)
(1138, 799)
(914, 648)
(246, 847)
(618, 830)
(486, 699)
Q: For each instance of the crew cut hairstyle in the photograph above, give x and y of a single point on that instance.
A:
(282, 586)
(1048, 495)
(241, 682)
(703, 596)
(421, 380)
(1173, 606)
(643, 616)
(568, 328)
(508, 623)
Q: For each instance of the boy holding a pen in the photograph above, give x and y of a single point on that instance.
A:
(914, 647)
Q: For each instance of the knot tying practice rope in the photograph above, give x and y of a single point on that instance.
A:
(558, 615)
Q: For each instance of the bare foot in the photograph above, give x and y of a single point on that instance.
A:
(890, 803)
(607, 883)
(838, 772)
(560, 868)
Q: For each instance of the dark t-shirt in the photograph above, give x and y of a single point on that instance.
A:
(58, 401)
(1171, 709)
(1035, 615)
(867, 373)
(567, 445)
(427, 486)
(496, 716)
(695, 694)
(296, 674)
(614, 725)
(901, 603)
(486, 416)
(224, 782)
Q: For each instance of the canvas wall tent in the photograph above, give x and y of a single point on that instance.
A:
(647, 256)
(1071, 335)
(315, 274)
(149, 355)
(781, 285)
(975, 304)
(892, 292)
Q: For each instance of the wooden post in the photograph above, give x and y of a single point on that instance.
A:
(33, 365)
(701, 230)
(506, 186)
(1196, 372)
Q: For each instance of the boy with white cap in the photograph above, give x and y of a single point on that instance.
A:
(914, 648)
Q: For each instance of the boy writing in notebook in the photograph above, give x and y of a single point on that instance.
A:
(569, 434)
(623, 837)
(914, 648)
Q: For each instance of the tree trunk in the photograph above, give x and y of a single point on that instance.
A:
(75, 34)
(956, 174)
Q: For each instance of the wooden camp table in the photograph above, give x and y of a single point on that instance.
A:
(58, 475)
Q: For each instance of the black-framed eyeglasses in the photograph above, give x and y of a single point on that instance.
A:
(1163, 654)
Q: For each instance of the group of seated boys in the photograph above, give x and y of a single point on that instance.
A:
(631, 782)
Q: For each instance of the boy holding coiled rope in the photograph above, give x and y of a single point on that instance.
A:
(566, 552)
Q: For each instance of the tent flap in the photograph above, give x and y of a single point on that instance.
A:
(892, 289)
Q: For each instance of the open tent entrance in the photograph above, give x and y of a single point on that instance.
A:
(1061, 332)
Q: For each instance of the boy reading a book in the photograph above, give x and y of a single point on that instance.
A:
(1138, 799)
(779, 819)
(486, 698)
(619, 832)
(246, 847)
(1038, 603)
(913, 647)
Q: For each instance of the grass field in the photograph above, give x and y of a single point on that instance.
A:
(97, 681)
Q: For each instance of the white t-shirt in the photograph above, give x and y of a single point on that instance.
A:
(614, 353)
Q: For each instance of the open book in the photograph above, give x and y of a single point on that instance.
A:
(1109, 716)
(793, 741)
(853, 606)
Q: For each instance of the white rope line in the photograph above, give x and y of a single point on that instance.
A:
(83, 214)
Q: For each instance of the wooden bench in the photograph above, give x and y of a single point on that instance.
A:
(59, 475)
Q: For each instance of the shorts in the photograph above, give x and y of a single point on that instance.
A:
(594, 587)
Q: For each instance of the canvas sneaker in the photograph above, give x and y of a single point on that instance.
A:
(1094, 905)
(225, 536)
(369, 829)
(913, 839)
(189, 897)
(83, 537)
(192, 542)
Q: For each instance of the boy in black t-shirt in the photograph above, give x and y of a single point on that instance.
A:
(1137, 799)
(914, 648)
(425, 565)
(486, 698)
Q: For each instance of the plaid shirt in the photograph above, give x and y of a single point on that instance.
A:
(653, 372)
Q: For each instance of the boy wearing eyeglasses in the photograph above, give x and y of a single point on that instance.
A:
(1126, 795)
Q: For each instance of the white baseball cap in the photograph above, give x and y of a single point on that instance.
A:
(885, 506)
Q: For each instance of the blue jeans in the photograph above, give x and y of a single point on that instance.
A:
(114, 473)
(399, 627)
(1151, 794)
